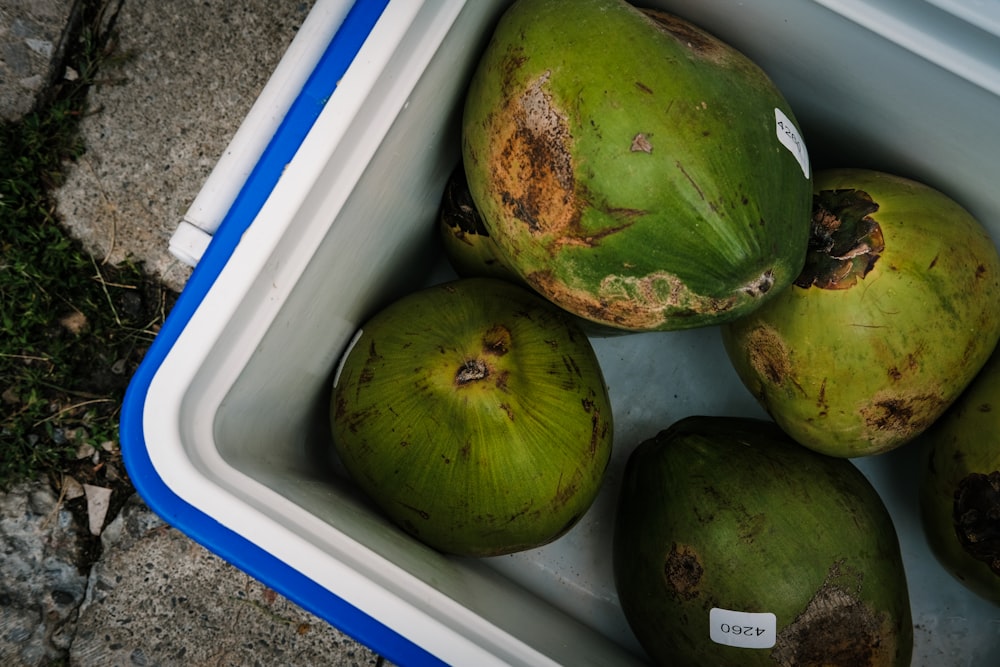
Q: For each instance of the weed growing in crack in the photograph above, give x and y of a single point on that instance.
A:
(72, 330)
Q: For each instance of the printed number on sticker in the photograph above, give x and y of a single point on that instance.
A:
(742, 629)
(789, 137)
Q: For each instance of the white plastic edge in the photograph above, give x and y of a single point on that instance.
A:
(984, 14)
(223, 184)
(188, 243)
(933, 31)
(423, 614)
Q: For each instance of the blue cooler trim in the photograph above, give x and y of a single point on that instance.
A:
(202, 528)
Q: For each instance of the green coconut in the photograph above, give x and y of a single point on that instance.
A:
(464, 238)
(633, 168)
(475, 414)
(471, 251)
(734, 545)
(960, 485)
(893, 315)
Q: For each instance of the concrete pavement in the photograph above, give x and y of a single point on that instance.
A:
(162, 115)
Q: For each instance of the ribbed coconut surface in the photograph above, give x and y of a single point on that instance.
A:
(475, 414)
(633, 168)
(960, 488)
(736, 546)
(896, 310)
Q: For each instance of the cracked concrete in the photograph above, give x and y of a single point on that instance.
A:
(162, 115)
(188, 72)
(191, 604)
(154, 597)
(30, 38)
(41, 587)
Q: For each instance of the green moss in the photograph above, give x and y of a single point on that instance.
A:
(72, 330)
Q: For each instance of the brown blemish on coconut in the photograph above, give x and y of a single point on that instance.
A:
(500, 380)
(638, 303)
(661, 292)
(760, 285)
(892, 417)
(532, 168)
(691, 180)
(598, 432)
(339, 406)
(699, 42)
(821, 402)
(573, 368)
(976, 515)
(641, 144)
(768, 355)
(496, 340)
(532, 171)
(911, 364)
(836, 628)
(845, 242)
(566, 492)
(750, 526)
(682, 572)
(598, 425)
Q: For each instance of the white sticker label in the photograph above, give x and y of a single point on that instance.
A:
(343, 358)
(743, 629)
(789, 137)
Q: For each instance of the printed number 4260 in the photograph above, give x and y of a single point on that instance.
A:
(742, 629)
(747, 630)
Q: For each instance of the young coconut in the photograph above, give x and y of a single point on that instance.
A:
(464, 237)
(472, 253)
(632, 168)
(960, 487)
(475, 414)
(893, 315)
(734, 545)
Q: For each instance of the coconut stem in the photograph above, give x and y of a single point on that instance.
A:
(471, 371)
(977, 517)
(844, 242)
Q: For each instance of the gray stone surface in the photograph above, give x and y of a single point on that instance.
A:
(160, 120)
(164, 115)
(153, 598)
(30, 35)
(156, 597)
(41, 586)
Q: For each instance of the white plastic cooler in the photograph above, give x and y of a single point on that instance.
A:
(224, 428)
